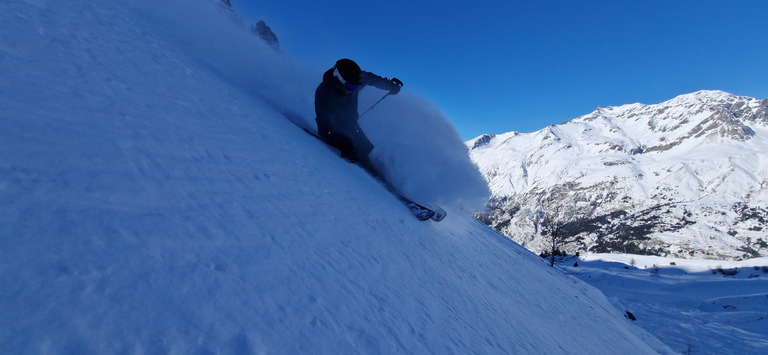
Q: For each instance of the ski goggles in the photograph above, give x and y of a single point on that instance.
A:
(347, 85)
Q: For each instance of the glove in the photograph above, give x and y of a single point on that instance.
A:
(396, 85)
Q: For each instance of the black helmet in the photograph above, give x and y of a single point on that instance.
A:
(349, 71)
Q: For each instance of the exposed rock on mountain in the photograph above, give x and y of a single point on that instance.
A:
(687, 177)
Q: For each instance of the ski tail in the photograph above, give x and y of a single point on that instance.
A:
(424, 213)
(439, 214)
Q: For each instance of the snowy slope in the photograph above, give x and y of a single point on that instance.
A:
(687, 177)
(153, 201)
(694, 306)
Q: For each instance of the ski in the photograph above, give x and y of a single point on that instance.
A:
(421, 212)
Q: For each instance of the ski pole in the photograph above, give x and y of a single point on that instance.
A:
(374, 105)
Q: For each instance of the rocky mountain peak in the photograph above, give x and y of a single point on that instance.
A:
(674, 173)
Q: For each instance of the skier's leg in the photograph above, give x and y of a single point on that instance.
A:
(365, 163)
(338, 141)
(363, 147)
(344, 145)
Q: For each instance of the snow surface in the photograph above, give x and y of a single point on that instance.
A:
(154, 199)
(694, 306)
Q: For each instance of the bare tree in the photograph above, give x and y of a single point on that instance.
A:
(551, 226)
(551, 231)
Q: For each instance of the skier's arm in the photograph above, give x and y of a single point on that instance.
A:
(392, 85)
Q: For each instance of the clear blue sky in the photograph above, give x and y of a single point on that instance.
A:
(499, 66)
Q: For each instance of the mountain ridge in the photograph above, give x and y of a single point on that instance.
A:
(691, 171)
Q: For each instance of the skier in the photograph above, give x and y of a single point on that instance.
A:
(336, 109)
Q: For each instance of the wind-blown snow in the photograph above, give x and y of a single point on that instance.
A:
(409, 133)
(154, 199)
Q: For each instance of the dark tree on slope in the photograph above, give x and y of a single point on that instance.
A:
(552, 226)
(226, 7)
(556, 239)
(260, 28)
(265, 33)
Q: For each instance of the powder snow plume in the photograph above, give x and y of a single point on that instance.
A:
(421, 153)
(417, 148)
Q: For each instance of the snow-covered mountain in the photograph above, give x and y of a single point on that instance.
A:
(687, 177)
(154, 200)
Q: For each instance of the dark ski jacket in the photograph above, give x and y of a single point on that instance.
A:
(337, 111)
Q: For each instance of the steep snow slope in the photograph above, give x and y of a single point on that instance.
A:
(687, 177)
(152, 203)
